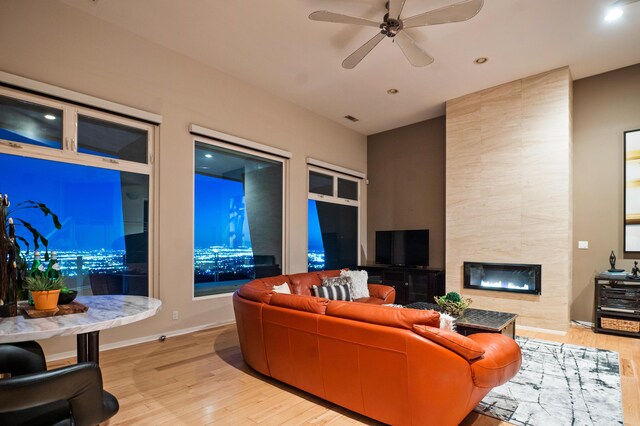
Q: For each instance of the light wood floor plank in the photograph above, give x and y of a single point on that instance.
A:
(201, 379)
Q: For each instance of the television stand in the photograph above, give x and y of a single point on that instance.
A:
(412, 283)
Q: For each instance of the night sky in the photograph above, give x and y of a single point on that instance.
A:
(87, 201)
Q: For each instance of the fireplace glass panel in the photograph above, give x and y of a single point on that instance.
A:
(503, 277)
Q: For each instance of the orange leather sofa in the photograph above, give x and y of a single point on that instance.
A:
(393, 365)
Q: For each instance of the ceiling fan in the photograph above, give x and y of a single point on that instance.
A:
(393, 25)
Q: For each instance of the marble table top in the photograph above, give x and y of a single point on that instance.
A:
(104, 312)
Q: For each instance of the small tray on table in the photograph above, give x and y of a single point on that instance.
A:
(70, 308)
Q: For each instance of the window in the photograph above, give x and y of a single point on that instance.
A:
(333, 220)
(238, 217)
(92, 169)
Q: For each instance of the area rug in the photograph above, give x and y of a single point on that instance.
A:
(559, 384)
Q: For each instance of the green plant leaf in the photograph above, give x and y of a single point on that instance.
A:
(29, 204)
(34, 232)
(18, 237)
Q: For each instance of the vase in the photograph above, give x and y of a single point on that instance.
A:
(46, 300)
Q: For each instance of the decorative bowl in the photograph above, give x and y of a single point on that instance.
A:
(453, 307)
(66, 298)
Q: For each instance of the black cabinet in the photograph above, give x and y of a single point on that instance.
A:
(617, 306)
(411, 284)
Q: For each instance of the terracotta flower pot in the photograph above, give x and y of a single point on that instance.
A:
(45, 300)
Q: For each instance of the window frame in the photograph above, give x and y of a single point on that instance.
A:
(243, 150)
(334, 199)
(68, 154)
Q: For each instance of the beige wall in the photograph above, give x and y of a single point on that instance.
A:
(59, 45)
(604, 107)
(508, 193)
(406, 183)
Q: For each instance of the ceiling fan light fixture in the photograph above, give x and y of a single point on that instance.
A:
(481, 60)
(392, 91)
(393, 25)
(613, 14)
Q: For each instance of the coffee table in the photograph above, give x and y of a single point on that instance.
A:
(477, 320)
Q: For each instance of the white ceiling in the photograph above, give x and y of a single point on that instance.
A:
(274, 46)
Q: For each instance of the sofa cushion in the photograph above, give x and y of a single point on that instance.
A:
(315, 305)
(383, 315)
(260, 290)
(282, 288)
(463, 346)
(359, 287)
(336, 281)
(333, 292)
(302, 283)
(332, 273)
(370, 300)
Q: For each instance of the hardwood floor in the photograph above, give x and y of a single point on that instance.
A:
(200, 379)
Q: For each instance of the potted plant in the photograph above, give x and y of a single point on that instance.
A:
(452, 303)
(45, 291)
(21, 240)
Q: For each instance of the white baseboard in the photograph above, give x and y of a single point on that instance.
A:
(540, 330)
(130, 342)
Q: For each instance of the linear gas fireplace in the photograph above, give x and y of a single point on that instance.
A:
(503, 277)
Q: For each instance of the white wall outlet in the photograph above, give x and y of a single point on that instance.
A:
(175, 315)
(583, 245)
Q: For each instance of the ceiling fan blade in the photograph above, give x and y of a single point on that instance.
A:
(619, 3)
(355, 58)
(414, 53)
(325, 16)
(456, 12)
(395, 8)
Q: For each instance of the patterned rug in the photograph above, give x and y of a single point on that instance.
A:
(559, 385)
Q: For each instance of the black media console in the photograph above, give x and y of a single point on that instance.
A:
(411, 284)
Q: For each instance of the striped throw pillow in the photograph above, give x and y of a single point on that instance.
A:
(333, 292)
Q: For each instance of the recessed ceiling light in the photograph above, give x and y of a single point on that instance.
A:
(481, 60)
(208, 155)
(613, 14)
(204, 167)
(392, 91)
(50, 117)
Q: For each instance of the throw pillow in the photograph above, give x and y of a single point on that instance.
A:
(463, 346)
(359, 287)
(282, 288)
(336, 281)
(446, 322)
(333, 292)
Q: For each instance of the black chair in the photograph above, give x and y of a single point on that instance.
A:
(33, 396)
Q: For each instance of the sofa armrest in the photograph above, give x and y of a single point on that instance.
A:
(384, 292)
(501, 361)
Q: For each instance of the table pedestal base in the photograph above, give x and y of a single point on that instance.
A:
(89, 347)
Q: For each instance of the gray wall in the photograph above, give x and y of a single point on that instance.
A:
(406, 170)
(604, 106)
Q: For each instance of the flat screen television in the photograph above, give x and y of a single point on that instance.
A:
(403, 248)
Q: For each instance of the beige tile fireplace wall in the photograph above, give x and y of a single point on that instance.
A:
(508, 191)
